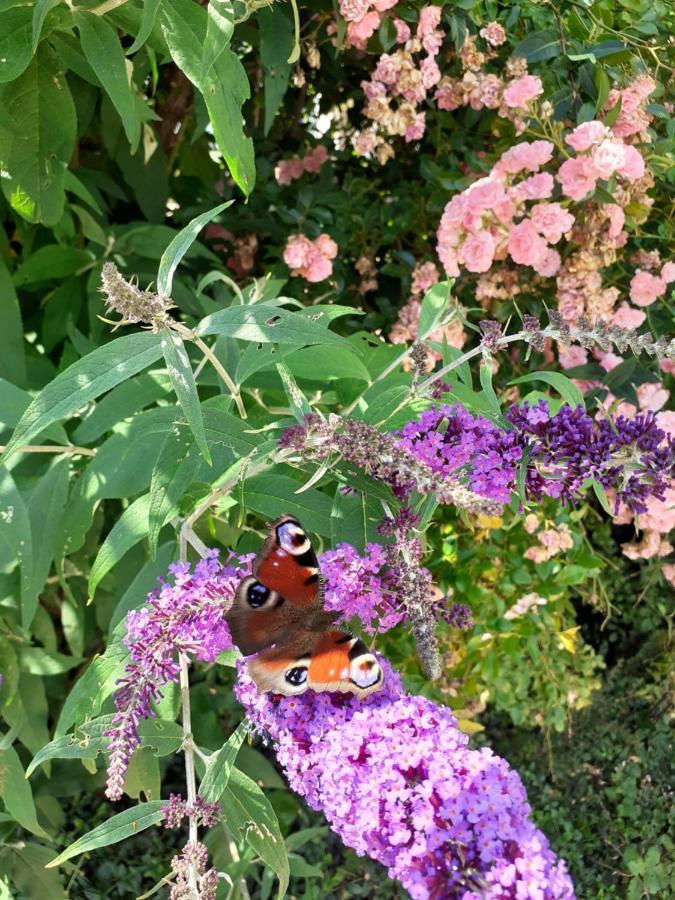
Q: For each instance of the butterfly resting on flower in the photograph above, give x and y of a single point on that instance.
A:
(278, 614)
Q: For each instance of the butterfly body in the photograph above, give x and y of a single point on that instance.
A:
(277, 613)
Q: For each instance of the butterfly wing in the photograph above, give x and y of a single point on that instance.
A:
(322, 661)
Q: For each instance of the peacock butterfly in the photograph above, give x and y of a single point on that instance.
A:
(278, 615)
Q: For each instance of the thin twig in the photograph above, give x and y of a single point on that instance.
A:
(68, 450)
(188, 333)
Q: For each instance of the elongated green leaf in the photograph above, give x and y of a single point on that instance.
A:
(268, 324)
(296, 399)
(123, 825)
(277, 39)
(39, 661)
(16, 792)
(120, 403)
(249, 815)
(37, 136)
(104, 54)
(274, 495)
(185, 388)
(148, 16)
(128, 530)
(538, 47)
(434, 305)
(562, 384)
(13, 356)
(225, 89)
(85, 380)
(180, 245)
(45, 509)
(326, 363)
(219, 769)
(30, 876)
(93, 688)
(16, 539)
(485, 373)
(218, 33)
(40, 12)
(16, 49)
(50, 263)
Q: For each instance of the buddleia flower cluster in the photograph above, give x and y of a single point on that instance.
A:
(394, 777)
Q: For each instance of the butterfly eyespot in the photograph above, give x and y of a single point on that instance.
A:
(297, 675)
(257, 595)
(293, 539)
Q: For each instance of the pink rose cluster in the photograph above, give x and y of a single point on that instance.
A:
(288, 170)
(313, 260)
(509, 213)
(633, 119)
(363, 18)
(645, 287)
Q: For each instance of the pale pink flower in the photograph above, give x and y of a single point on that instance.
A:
(431, 74)
(519, 92)
(665, 419)
(668, 272)
(318, 269)
(415, 132)
(617, 219)
(608, 157)
(667, 366)
(530, 523)
(383, 5)
(493, 33)
(310, 259)
(359, 32)
(651, 545)
(627, 317)
(571, 357)
(633, 165)
(315, 158)
(529, 157)
(551, 220)
(387, 69)
(478, 251)
(586, 135)
(430, 17)
(668, 570)
(577, 177)
(645, 288)
(547, 265)
(607, 360)
(424, 276)
(536, 187)
(633, 118)
(445, 96)
(326, 246)
(652, 397)
(297, 250)
(363, 142)
(402, 30)
(525, 246)
(353, 10)
(287, 170)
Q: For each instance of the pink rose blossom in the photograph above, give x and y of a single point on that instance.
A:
(536, 187)
(547, 266)
(353, 10)
(608, 158)
(431, 74)
(667, 366)
(387, 69)
(318, 269)
(551, 220)
(430, 17)
(608, 361)
(415, 132)
(645, 288)
(519, 92)
(310, 259)
(652, 397)
(383, 5)
(363, 142)
(424, 276)
(315, 158)
(529, 157)
(493, 33)
(633, 165)
(585, 135)
(626, 317)
(478, 251)
(666, 421)
(668, 570)
(525, 246)
(297, 250)
(617, 219)
(571, 357)
(326, 246)
(577, 177)
(359, 32)
(402, 30)
(668, 272)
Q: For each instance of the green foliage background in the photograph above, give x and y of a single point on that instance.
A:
(120, 123)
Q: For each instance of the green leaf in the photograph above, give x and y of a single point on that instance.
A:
(85, 380)
(16, 538)
(296, 399)
(16, 792)
(45, 509)
(119, 827)
(16, 48)
(277, 39)
(250, 816)
(121, 403)
(485, 373)
(317, 363)
(180, 245)
(128, 530)
(268, 324)
(93, 688)
(185, 388)
(51, 263)
(104, 54)
(539, 47)
(40, 11)
(39, 661)
(145, 581)
(13, 356)
(218, 33)
(561, 383)
(225, 89)
(220, 765)
(37, 136)
(434, 304)
(148, 16)
(30, 876)
(274, 495)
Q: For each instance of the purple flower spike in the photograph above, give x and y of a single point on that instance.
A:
(395, 780)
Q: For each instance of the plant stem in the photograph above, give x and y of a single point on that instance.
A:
(69, 449)
(188, 333)
(190, 777)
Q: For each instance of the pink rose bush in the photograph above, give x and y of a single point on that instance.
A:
(289, 170)
(313, 260)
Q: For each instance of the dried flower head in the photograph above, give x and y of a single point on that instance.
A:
(134, 305)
